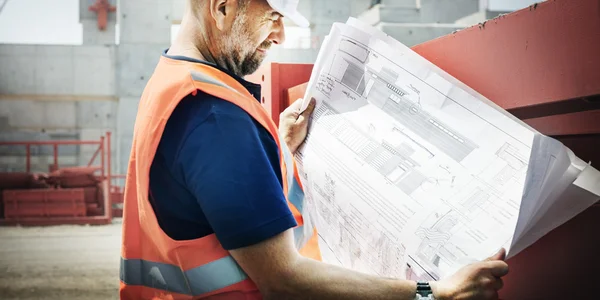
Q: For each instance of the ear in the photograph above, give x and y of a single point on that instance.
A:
(223, 13)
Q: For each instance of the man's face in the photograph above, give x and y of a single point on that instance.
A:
(256, 27)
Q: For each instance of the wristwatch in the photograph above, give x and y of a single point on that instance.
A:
(424, 291)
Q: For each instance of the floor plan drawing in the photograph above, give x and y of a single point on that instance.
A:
(410, 172)
(435, 233)
(394, 163)
(380, 88)
(359, 52)
(393, 100)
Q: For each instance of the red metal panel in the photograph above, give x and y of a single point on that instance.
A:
(543, 54)
(44, 203)
(275, 79)
(587, 122)
(586, 146)
(555, 264)
(294, 93)
(541, 64)
(580, 132)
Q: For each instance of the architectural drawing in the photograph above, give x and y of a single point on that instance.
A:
(351, 48)
(380, 89)
(385, 94)
(405, 169)
(394, 163)
(435, 233)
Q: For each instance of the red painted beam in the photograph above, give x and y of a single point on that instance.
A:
(586, 122)
(541, 55)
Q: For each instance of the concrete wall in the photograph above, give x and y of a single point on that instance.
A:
(53, 93)
(509, 5)
(57, 70)
(38, 120)
(444, 11)
(413, 34)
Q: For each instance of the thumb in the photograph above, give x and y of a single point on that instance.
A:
(497, 268)
(500, 255)
(308, 111)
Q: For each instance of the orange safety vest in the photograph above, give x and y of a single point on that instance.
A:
(154, 266)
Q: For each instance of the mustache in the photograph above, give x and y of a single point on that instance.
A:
(266, 45)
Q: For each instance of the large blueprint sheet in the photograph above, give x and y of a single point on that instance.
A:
(405, 166)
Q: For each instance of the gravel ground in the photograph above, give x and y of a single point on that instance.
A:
(60, 262)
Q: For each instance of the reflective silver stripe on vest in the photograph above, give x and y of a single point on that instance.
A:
(198, 76)
(295, 193)
(299, 237)
(207, 278)
(302, 234)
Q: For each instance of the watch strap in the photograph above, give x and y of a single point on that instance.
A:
(424, 291)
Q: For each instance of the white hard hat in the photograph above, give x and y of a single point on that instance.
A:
(289, 9)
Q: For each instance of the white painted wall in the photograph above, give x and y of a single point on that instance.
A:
(41, 22)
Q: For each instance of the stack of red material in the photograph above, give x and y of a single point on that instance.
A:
(19, 181)
(75, 177)
(67, 192)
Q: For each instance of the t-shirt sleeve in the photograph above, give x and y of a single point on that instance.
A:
(231, 165)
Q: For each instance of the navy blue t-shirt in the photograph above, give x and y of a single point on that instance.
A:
(217, 170)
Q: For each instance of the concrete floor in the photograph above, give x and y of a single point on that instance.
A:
(60, 262)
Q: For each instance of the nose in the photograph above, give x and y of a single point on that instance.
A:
(278, 34)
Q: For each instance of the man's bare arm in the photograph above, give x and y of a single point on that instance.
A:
(282, 273)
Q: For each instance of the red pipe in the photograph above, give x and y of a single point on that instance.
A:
(108, 168)
(101, 155)
(28, 157)
(100, 149)
(55, 151)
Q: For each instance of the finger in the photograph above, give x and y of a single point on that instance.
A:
(309, 109)
(493, 296)
(498, 268)
(498, 284)
(500, 255)
(307, 112)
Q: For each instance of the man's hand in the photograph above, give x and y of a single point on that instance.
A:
(477, 281)
(293, 125)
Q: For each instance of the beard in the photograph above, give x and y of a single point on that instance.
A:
(237, 56)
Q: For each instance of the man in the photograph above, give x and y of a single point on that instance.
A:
(212, 200)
